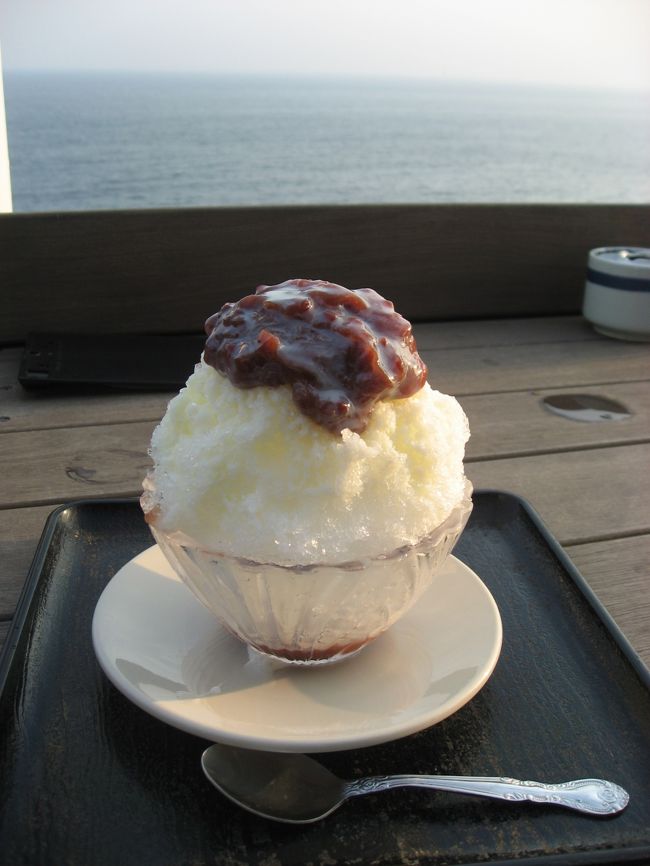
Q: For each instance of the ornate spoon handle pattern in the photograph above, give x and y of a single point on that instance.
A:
(594, 796)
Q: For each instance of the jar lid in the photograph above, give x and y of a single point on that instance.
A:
(620, 268)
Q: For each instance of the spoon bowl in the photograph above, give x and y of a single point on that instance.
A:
(296, 789)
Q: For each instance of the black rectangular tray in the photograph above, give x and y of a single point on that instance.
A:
(88, 778)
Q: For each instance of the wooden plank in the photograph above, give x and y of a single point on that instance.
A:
(20, 410)
(490, 369)
(40, 467)
(45, 466)
(494, 369)
(23, 410)
(435, 335)
(617, 571)
(513, 423)
(503, 332)
(20, 530)
(518, 423)
(164, 271)
(581, 495)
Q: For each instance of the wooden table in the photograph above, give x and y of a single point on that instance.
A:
(588, 481)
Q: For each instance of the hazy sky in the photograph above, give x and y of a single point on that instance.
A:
(577, 42)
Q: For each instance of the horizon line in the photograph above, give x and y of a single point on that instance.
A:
(329, 76)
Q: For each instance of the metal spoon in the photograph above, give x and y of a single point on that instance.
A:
(297, 789)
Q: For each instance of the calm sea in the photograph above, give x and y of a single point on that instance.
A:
(87, 141)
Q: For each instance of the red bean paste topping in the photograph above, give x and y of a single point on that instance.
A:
(340, 350)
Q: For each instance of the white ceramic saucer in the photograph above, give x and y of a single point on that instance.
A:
(167, 654)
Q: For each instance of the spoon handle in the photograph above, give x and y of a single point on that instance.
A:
(595, 796)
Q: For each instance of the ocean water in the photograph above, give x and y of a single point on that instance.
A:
(91, 141)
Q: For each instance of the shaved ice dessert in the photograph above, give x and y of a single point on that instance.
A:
(308, 481)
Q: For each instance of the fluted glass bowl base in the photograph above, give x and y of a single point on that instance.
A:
(309, 662)
(309, 615)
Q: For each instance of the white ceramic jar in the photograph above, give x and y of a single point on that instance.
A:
(617, 292)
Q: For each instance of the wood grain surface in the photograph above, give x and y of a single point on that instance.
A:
(617, 571)
(587, 481)
(494, 369)
(20, 530)
(167, 270)
(43, 466)
(574, 491)
(533, 429)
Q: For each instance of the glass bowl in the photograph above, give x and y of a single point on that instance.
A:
(309, 614)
